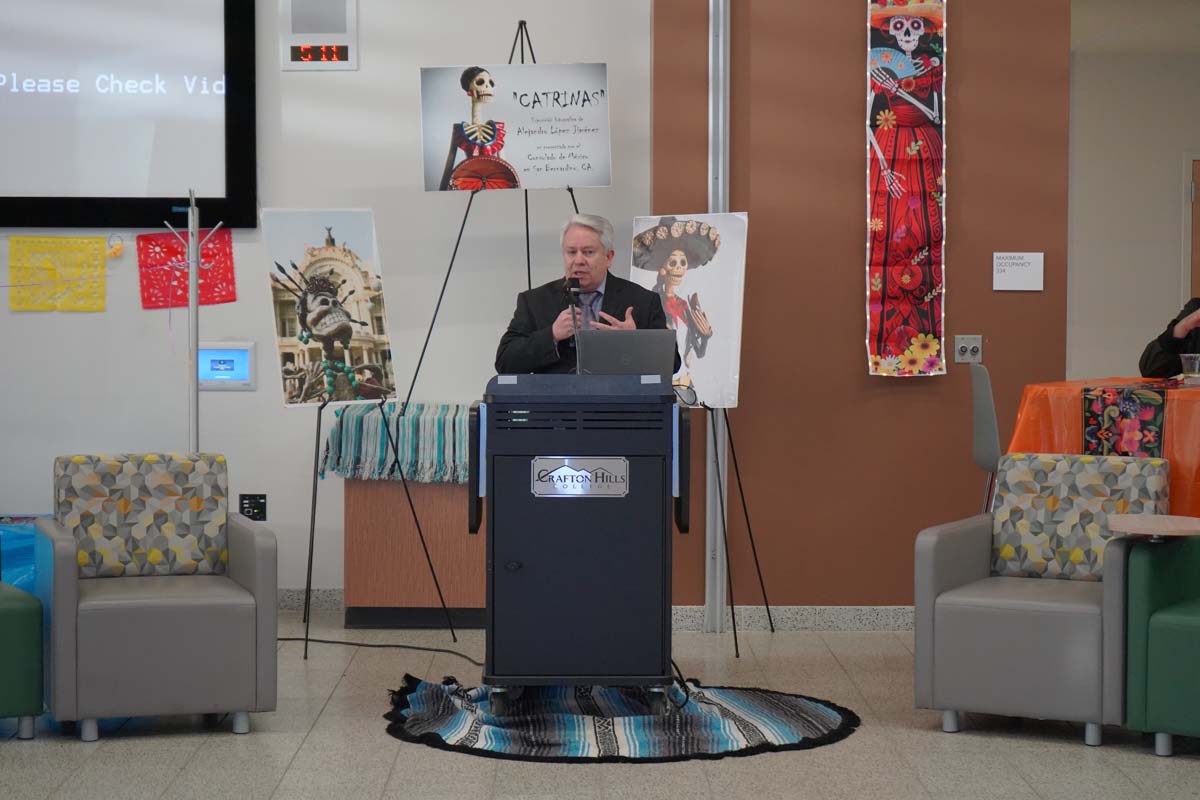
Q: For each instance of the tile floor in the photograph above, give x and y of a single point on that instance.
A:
(327, 739)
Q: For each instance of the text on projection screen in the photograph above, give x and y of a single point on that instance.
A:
(112, 99)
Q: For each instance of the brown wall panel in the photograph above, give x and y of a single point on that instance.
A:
(841, 470)
(384, 564)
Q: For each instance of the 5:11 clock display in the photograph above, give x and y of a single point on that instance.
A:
(319, 52)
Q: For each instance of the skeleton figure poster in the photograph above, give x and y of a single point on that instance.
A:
(515, 126)
(906, 192)
(327, 295)
(696, 264)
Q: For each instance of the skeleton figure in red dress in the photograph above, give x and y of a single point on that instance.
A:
(905, 187)
(479, 140)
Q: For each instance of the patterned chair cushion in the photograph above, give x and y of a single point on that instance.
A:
(1050, 513)
(144, 514)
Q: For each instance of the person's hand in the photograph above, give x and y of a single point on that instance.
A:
(562, 327)
(1186, 325)
(608, 322)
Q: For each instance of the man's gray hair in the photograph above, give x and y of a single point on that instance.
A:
(592, 222)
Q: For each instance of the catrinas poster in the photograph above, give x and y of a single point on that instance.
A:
(515, 126)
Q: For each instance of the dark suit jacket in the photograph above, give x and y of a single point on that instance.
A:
(528, 344)
(1160, 359)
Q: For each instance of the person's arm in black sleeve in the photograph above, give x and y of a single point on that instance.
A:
(1160, 359)
(524, 348)
(658, 319)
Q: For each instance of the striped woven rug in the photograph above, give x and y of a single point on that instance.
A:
(601, 724)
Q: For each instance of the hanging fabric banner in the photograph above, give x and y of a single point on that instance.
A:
(163, 275)
(906, 67)
(51, 273)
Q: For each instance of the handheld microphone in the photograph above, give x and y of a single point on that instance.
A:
(572, 287)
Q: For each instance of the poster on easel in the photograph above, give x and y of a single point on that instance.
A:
(696, 264)
(515, 126)
(328, 306)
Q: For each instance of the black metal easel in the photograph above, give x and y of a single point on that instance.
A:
(395, 462)
(725, 527)
(749, 530)
(312, 521)
(393, 444)
(521, 38)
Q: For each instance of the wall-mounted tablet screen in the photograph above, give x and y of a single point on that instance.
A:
(226, 366)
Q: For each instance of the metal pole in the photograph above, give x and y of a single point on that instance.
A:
(716, 566)
(193, 259)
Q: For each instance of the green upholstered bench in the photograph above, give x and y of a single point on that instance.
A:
(20, 658)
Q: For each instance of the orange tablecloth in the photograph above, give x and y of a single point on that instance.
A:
(1050, 420)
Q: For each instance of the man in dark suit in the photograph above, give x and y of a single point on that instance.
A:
(540, 336)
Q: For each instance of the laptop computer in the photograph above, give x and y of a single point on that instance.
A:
(636, 352)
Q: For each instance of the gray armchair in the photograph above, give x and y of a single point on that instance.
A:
(1021, 611)
(159, 602)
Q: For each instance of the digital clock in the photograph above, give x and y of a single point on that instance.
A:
(318, 35)
(304, 53)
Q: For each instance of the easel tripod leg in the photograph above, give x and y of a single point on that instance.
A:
(737, 653)
(750, 531)
(407, 404)
(312, 526)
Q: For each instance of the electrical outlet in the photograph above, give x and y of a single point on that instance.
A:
(968, 349)
(253, 506)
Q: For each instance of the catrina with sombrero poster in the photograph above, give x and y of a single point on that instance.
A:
(906, 187)
(672, 248)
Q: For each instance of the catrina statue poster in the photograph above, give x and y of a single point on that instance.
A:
(327, 295)
(515, 126)
(906, 187)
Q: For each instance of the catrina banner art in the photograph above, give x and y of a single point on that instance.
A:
(906, 187)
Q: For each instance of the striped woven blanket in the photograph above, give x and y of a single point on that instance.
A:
(596, 723)
(431, 438)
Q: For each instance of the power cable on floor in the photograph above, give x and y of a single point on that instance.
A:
(463, 656)
(687, 695)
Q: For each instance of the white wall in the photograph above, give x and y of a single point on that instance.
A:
(116, 381)
(1135, 111)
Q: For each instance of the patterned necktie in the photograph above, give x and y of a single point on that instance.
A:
(590, 306)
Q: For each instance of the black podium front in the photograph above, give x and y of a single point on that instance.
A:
(579, 472)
